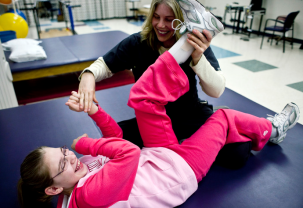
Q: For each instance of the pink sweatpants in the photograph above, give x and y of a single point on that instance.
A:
(164, 82)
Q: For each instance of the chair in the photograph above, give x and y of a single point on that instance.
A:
(287, 25)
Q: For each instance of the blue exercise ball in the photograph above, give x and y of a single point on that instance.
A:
(18, 12)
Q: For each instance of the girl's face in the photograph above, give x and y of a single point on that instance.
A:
(74, 170)
(162, 19)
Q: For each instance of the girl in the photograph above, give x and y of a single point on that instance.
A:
(116, 173)
(140, 50)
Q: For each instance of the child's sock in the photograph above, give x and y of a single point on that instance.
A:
(181, 50)
(274, 132)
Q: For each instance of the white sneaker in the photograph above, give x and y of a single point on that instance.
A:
(196, 17)
(284, 121)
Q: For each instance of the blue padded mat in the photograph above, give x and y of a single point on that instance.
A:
(89, 47)
(114, 101)
(57, 54)
(71, 49)
(271, 177)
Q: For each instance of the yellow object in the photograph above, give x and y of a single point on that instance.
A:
(6, 2)
(11, 21)
(1, 28)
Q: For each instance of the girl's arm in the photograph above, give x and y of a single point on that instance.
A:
(114, 182)
(104, 121)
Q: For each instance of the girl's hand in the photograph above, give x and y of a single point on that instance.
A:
(200, 41)
(87, 91)
(74, 102)
(76, 140)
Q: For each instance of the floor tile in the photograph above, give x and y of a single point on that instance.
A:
(55, 28)
(255, 65)
(222, 53)
(101, 28)
(92, 23)
(297, 86)
(44, 25)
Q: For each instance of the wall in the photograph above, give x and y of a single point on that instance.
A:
(7, 93)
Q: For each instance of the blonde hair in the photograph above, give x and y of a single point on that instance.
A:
(148, 32)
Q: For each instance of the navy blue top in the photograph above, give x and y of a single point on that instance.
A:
(132, 53)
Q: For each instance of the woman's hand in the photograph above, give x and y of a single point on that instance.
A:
(87, 91)
(200, 42)
(74, 102)
(76, 140)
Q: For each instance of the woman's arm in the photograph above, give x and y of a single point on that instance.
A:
(119, 58)
(212, 82)
(98, 69)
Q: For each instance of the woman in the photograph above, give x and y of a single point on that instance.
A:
(116, 173)
(140, 50)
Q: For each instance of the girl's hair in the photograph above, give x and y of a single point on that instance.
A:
(35, 177)
(148, 32)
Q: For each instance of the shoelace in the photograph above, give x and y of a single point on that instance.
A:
(278, 118)
(179, 26)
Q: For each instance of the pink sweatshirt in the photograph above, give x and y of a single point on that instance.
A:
(120, 175)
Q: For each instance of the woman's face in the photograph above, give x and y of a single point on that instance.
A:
(162, 20)
(74, 170)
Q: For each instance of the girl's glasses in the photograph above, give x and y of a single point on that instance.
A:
(63, 162)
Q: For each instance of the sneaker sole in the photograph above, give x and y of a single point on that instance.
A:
(206, 16)
(298, 115)
(279, 140)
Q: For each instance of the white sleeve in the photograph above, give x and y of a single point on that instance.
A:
(99, 70)
(212, 82)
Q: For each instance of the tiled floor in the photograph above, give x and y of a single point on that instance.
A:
(254, 65)
(267, 76)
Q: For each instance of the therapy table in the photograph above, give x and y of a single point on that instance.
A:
(66, 54)
(271, 177)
